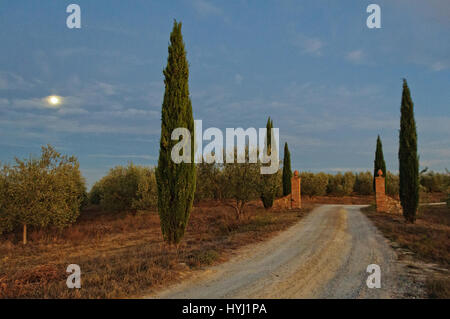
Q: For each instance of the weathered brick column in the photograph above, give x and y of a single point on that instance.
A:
(296, 199)
(380, 192)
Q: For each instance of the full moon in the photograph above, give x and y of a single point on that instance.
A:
(54, 100)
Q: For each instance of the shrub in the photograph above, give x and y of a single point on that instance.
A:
(392, 184)
(364, 183)
(209, 182)
(434, 182)
(126, 188)
(241, 184)
(41, 192)
(341, 185)
(314, 184)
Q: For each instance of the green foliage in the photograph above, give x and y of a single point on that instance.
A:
(448, 200)
(209, 182)
(379, 163)
(392, 184)
(146, 195)
(408, 158)
(314, 184)
(287, 171)
(241, 184)
(341, 184)
(41, 192)
(176, 182)
(435, 182)
(126, 188)
(268, 184)
(364, 183)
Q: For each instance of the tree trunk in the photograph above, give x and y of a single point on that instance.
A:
(24, 234)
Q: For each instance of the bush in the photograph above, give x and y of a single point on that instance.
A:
(209, 182)
(435, 182)
(364, 183)
(41, 192)
(126, 188)
(392, 185)
(314, 184)
(341, 185)
(241, 184)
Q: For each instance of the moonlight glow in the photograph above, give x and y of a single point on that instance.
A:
(54, 100)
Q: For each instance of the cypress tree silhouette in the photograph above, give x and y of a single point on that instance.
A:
(287, 172)
(379, 163)
(176, 182)
(269, 187)
(408, 158)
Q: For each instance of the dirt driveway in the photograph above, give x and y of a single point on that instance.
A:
(325, 255)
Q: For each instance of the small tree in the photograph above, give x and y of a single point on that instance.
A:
(364, 183)
(408, 158)
(379, 163)
(314, 184)
(209, 181)
(41, 192)
(268, 184)
(287, 171)
(241, 184)
(176, 181)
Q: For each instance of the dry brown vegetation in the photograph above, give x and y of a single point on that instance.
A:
(428, 239)
(341, 200)
(123, 255)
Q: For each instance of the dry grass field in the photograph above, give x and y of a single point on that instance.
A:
(428, 239)
(123, 255)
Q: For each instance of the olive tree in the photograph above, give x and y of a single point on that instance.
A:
(41, 192)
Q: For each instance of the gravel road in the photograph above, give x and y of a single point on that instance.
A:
(325, 255)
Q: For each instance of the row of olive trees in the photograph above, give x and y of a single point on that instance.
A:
(320, 184)
(235, 184)
(45, 191)
(126, 188)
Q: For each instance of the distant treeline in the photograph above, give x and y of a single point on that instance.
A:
(50, 191)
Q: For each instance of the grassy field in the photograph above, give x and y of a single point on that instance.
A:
(123, 255)
(428, 239)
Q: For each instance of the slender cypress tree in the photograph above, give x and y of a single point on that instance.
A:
(287, 172)
(408, 158)
(176, 182)
(269, 185)
(379, 163)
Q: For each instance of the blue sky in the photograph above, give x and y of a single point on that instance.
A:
(329, 83)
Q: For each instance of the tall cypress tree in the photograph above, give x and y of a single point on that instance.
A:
(408, 158)
(176, 182)
(379, 163)
(269, 185)
(287, 172)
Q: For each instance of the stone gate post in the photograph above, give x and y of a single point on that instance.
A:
(296, 200)
(380, 192)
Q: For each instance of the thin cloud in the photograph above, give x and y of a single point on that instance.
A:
(129, 156)
(309, 45)
(356, 56)
(205, 8)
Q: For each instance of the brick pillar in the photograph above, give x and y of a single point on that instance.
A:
(296, 199)
(380, 192)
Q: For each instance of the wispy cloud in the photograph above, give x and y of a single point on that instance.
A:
(122, 156)
(13, 81)
(238, 79)
(206, 8)
(309, 45)
(356, 56)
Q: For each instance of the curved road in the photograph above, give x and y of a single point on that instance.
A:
(325, 255)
